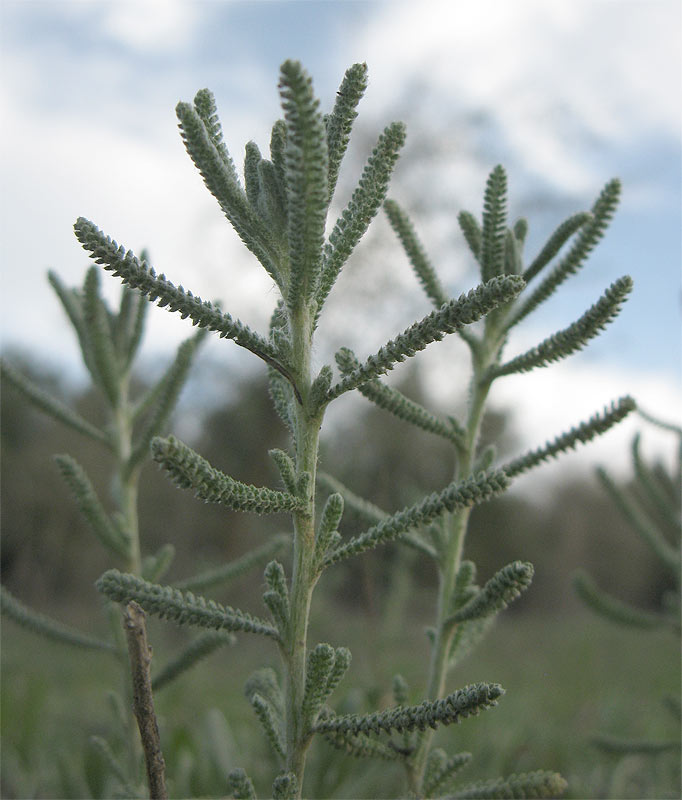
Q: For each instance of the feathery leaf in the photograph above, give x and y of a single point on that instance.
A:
(196, 651)
(503, 588)
(555, 242)
(525, 785)
(451, 317)
(100, 523)
(568, 341)
(237, 568)
(642, 523)
(327, 529)
(459, 705)
(473, 234)
(589, 235)
(126, 266)
(457, 495)
(219, 174)
(441, 771)
(240, 786)
(414, 249)
(361, 745)
(338, 124)
(583, 433)
(45, 626)
(305, 159)
(494, 224)
(285, 787)
(166, 396)
(351, 226)
(99, 334)
(395, 402)
(50, 405)
(610, 607)
(184, 608)
(188, 470)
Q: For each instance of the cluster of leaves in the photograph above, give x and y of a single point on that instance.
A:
(281, 214)
(652, 510)
(109, 343)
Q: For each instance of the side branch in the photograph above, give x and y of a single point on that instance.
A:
(140, 655)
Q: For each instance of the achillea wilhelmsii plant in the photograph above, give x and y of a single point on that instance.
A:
(281, 214)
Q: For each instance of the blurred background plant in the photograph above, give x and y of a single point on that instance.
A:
(651, 505)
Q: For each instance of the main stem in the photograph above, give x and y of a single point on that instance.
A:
(304, 576)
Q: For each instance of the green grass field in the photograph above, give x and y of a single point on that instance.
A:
(566, 679)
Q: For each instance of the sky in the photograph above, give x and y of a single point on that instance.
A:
(566, 94)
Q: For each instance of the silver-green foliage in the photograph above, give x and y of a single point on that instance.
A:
(109, 341)
(651, 506)
(281, 215)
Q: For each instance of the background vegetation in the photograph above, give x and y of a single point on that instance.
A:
(568, 674)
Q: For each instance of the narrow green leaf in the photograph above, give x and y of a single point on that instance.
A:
(457, 495)
(451, 317)
(643, 525)
(494, 224)
(574, 337)
(166, 396)
(589, 235)
(661, 500)
(361, 745)
(459, 705)
(420, 262)
(235, 569)
(366, 200)
(285, 787)
(530, 784)
(188, 470)
(185, 608)
(50, 405)
(138, 275)
(396, 403)
(581, 434)
(45, 626)
(306, 181)
(155, 567)
(99, 334)
(252, 160)
(100, 523)
(442, 770)
(219, 174)
(555, 242)
(610, 607)
(473, 234)
(196, 651)
(504, 587)
(338, 124)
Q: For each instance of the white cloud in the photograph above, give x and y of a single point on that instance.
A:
(549, 72)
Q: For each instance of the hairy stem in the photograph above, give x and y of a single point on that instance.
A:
(304, 574)
(456, 525)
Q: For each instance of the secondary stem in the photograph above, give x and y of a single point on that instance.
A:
(451, 562)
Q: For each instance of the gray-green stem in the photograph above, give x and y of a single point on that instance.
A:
(304, 574)
(456, 526)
